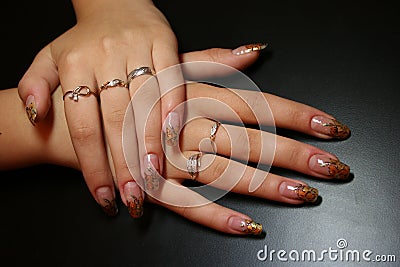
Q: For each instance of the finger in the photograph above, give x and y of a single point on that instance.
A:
(264, 148)
(145, 94)
(115, 99)
(234, 58)
(83, 118)
(172, 89)
(285, 113)
(212, 215)
(36, 85)
(230, 175)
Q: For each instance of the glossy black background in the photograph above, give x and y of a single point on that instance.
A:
(339, 56)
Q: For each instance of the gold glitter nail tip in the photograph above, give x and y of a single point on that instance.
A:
(31, 110)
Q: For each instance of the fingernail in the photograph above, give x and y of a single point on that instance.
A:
(106, 199)
(329, 166)
(298, 191)
(150, 171)
(245, 49)
(330, 127)
(30, 108)
(172, 128)
(134, 199)
(244, 225)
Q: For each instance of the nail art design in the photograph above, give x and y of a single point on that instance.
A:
(336, 169)
(172, 136)
(110, 207)
(31, 110)
(337, 129)
(135, 206)
(172, 129)
(306, 193)
(249, 48)
(251, 227)
(151, 179)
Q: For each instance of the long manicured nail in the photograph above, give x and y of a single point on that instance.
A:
(330, 127)
(134, 199)
(30, 108)
(298, 191)
(150, 171)
(329, 166)
(244, 225)
(106, 199)
(245, 49)
(172, 128)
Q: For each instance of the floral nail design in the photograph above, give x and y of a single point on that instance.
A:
(245, 49)
(151, 179)
(337, 129)
(251, 227)
(135, 206)
(31, 110)
(110, 208)
(306, 193)
(337, 169)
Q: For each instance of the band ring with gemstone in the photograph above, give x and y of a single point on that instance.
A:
(113, 83)
(140, 71)
(213, 133)
(193, 164)
(79, 91)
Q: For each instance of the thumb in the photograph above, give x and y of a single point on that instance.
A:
(239, 58)
(36, 85)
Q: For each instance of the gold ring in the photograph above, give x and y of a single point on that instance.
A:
(79, 91)
(193, 165)
(140, 71)
(113, 83)
(213, 133)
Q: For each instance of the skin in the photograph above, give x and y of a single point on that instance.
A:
(50, 142)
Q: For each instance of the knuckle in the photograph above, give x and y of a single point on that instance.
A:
(115, 118)
(218, 168)
(83, 133)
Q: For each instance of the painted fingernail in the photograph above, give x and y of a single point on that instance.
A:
(244, 226)
(330, 127)
(30, 108)
(245, 49)
(172, 128)
(329, 166)
(298, 191)
(106, 199)
(150, 171)
(134, 199)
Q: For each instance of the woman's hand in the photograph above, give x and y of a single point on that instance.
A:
(225, 169)
(94, 58)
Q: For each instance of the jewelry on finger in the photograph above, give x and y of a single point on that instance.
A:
(140, 71)
(193, 165)
(79, 91)
(213, 133)
(113, 83)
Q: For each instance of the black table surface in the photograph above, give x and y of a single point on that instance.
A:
(340, 56)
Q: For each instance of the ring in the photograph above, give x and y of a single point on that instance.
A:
(193, 165)
(79, 91)
(113, 83)
(139, 71)
(213, 133)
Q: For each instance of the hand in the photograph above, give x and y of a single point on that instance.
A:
(110, 39)
(289, 154)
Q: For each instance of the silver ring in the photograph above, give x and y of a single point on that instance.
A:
(193, 165)
(139, 71)
(82, 90)
(113, 83)
(213, 133)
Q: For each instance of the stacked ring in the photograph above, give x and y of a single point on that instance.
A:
(79, 91)
(213, 133)
(139, 71)
(113, 83)
(193, 165)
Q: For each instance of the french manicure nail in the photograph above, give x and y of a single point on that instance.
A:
(134, 199)
(244, 225)
(330, 127)
(106, 199)
(30, 108)
(150, 171)
(329, 166)
(172, 128)
(298, 191)
(245, 49)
